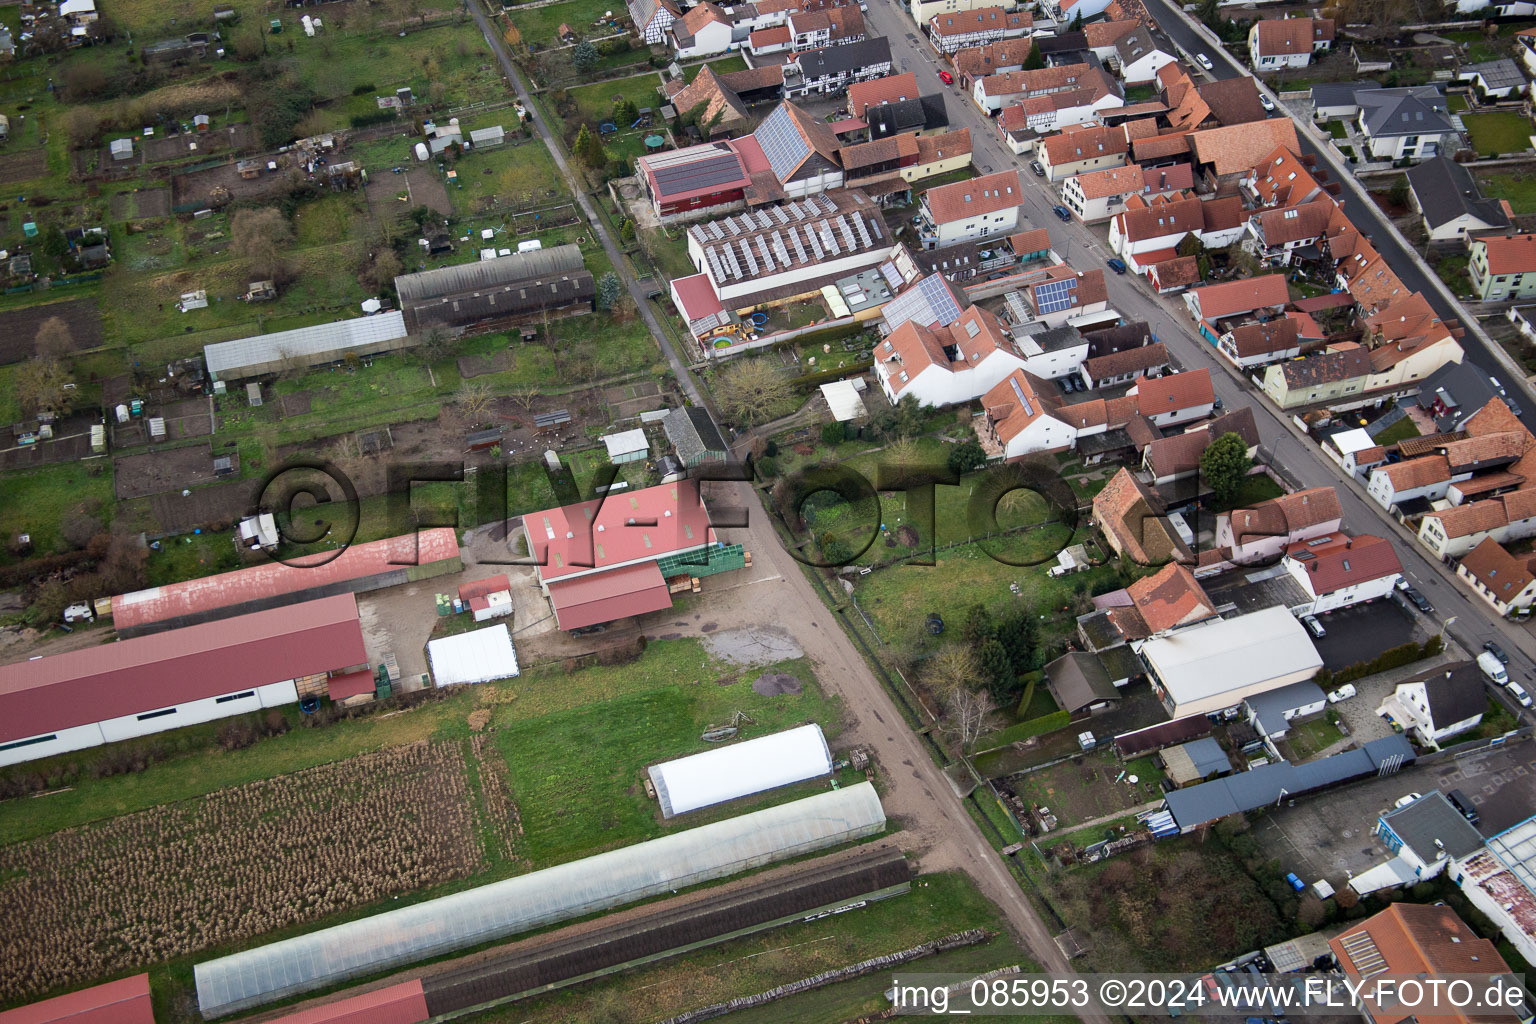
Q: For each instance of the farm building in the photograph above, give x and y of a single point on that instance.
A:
(613, 557)
(1216, 665)
(405, 1003)
(693, 434)
(741, 769)
(305, 346)
(480, 656)
(490, 598)
(181, 677)
(497, 292)
(117, 1002)
(357, 569)
(626, 446)
(534, 900)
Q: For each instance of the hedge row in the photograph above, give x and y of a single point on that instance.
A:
(1393, 657)
(1024, 730)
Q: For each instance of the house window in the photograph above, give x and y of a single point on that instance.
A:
(234, 696)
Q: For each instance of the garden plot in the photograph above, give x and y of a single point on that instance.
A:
(16, 167)
(138, 476)
(141, 204)
(239, 863)
(390, 194)
(18, 327)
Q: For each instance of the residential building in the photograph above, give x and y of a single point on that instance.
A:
(1101, 36)
(1498, 577)
(823, 27)
(1177, 456)
(1067, 12)
(1080, 683)
(1427, 477)
(1261, 535)
(832, 69)
(819, 240)
(1440, 704)
(1141, 53)
(1062, 294)
(1421, 941)
(998, 89)
(716, 107)
(1176, 398)
(1132, 521)
(1409, 343)
(765, 41)
(1020, 421)
(1124, 366)
(921, 115)
(1023, 119)
(1448, 198)
(1217, 665)
(611, 558)
(1071, 153)
(1282, 179)
(964, 211)
(1276, 44)
(1337, 571)
(1456, 392)
(1503, 267)
(924, 11)
(1493, 79)
(1409, 123)
(652, 19)
(1271, 712)
(799, 154)
(996, 58)
(1170, 599)
(1263, 295)
(944, 364)
(703, 31)
(939, 154)
(1337, 374)
(978, 26)
(1336, 101)
(873, 93)
(1224, 156)
(1452, 532)
(1259, 344)
(1176, 275)
(1429, 834)
(1148, 231)
(1279, 233)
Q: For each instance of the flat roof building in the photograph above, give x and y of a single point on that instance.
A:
(1212, 667)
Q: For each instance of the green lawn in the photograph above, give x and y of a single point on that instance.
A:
(1337, 130)
(1399, 431)
(1255, 488)
(1456, 102)
(723, 66)
(594, 103)
(37, 501)
(540, 24)
(1309, 738)
(1503, 133)
(1517, 187)
(1453, 271)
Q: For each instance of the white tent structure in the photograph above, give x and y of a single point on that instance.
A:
(843, 399)
(491, 912)
(475, 657)
(741, 769)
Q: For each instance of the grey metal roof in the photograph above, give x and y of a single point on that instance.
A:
(1496, 74)
(1464, 387)
(693, 433)
(1431, 818)
(518, 297)
(1455, 695)
(1446, 190)
(1207, 756)
(304, 343)
(1414, 110)
(486, 274)
(1078, 679)
(1337, 94)
(1269, 708)
(850, 57)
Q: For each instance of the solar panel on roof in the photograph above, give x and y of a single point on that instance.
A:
(1054, 296)
(690, 175)
(783, 217)
(780, 250)
(715, 265)
(782, 143)
(715, 228)
(794, 237)
(730, 223)
(1029, 410)
(762, 250)
(892, 278)
(762, 219)
(815, 240)
(746, 258)
(858, 222)
(729, 255)
(826, 202)
(828, 240)
(847, 233)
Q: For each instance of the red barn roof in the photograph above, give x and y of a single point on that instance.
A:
(405, 1003)
(117, 1002)
(603, 597)
(485, 587)
(616, 530)
(164, 669)
(277, 578)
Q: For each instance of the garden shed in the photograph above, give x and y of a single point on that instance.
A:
(627, 446)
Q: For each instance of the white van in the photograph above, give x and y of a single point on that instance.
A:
(1518, 692)
(1342, 693)
(1493, 668)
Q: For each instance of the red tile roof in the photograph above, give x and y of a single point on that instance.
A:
(1106, 33)
(1026, 242)
(1233, 297)
(1009, 417)
(1187, 390)
(1414, 473)
(1170, 597)
(148, 673)
(1343, 561)
(1278, 335)
(1177, 216)
(892, 88)
(1515, 254)
(628, 526)
(1160, 146)
(778, 35)
(946, 146)
(483, 588)
(1085, 144)
(1125, 511)
(117, 1002)
(1498, 570)
(1130, 360)
(990, 193)
(1473, 517)
(981, 19)
(1236, 148)
(980, 61)
(276, 579)
(1283, 225)
(1287, 36)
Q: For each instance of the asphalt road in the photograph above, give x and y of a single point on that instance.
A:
(1084, 248)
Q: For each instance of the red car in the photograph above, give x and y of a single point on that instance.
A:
(946, 78)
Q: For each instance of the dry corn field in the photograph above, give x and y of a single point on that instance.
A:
(502, 819)
(242, 862)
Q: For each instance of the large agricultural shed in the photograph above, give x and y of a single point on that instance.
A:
(741, 769)
(501, 290)
(181, 677)
(126, 1001)
(375, 565)
(405, 1003)
(305, 346)
(611, 557)
(489, 912)
(1212, 667)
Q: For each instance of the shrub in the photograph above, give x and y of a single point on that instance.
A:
(364, 89)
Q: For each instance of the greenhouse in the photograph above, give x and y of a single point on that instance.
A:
(741, 769)
(502, 909)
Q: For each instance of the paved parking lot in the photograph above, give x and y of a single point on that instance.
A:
(1328, 835)
(1362, 631)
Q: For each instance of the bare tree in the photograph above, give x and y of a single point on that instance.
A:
(524, 395)
(751, 389)
(953, 668)
(260, 237)
(902, 456)
(473, 396)
(54, 340)
(44, 387)
(969, 715)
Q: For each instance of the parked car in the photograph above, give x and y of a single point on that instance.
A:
(1313, 626)
(1403, 584)
(1116, 264)
(1404, 801)
(1464, 804)
(1518, 692)
(1418, 601)
(946, 78)
(1062, 212)
(1267, 103)
(1216, 403)
(1493, 668)
(1497, 651)
(1034, 165)
(1342, 693)
(1205, 62)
